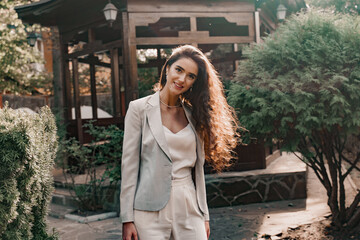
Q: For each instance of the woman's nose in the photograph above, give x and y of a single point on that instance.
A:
(182, 77)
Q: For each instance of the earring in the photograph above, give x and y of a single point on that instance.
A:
(191, 89)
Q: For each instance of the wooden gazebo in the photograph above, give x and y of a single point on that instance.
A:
(140, 24)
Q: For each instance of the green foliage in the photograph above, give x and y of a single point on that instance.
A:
(109, 151)
(17, 73)
(304, 77)
(147, 78)
(104, 151)
(302, 87)
(28, 147)
(343, 6)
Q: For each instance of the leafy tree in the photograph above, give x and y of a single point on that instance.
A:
(344, 6)
(17, 74)
(302, 87)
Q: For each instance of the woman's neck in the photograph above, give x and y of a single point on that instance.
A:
(169, 99)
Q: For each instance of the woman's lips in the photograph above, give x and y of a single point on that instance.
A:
(178, 86)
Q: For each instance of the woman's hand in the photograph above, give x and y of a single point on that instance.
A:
(129, 231)
(207, 229)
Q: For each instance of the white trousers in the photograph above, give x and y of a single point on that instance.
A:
(181, 218)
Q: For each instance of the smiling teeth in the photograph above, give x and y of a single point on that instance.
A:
(178, 85)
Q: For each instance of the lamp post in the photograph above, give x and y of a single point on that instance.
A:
(110, 12)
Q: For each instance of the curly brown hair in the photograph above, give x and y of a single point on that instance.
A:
(216, 121)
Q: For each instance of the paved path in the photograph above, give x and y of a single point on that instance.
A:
(246, 222)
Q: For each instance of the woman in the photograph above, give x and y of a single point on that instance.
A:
(168, 136)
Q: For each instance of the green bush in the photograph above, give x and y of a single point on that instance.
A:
(104, 151)
(28, 146)
(301, 86)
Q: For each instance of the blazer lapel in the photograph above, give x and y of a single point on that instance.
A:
(153, 115)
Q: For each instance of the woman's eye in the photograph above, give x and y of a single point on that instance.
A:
(192, 77)
(178, 69)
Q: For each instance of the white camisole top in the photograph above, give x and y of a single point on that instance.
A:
(182, 148)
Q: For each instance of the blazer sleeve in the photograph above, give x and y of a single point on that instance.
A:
(130, 162)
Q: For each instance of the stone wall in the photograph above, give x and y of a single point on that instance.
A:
(283, 179)
(34, 103)
(236, 190)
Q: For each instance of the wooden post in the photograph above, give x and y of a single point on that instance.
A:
(257, 27)
(75, 66)
(47, 100)
(91, 39)
(58, 73)
(66, 82)
(67, 87)
(235, 62)
(93, 89)
(115, 81)
(159, 67)
(193, 28)
(129, 59)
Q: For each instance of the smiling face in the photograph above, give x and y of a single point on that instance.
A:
(181, 75)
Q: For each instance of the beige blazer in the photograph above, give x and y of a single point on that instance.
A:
(146, 164)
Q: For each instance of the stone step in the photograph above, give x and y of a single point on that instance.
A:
(283, 179)
(59, 211)
(64, 197)
(67, 198)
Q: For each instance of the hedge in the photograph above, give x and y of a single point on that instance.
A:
(28, 146)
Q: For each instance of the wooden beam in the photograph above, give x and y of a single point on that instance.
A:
(189, 40)
(95, 62)
(144, 19)
(69, 32)
(152, 63)
(189, 6)
(79, 130)
(97, 46)
(115, 81)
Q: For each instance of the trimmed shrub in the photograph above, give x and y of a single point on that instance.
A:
(28, 145)
(302, 87)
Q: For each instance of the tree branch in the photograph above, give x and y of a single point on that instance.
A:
(353, 165)
(353, 206)
(355, 219)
